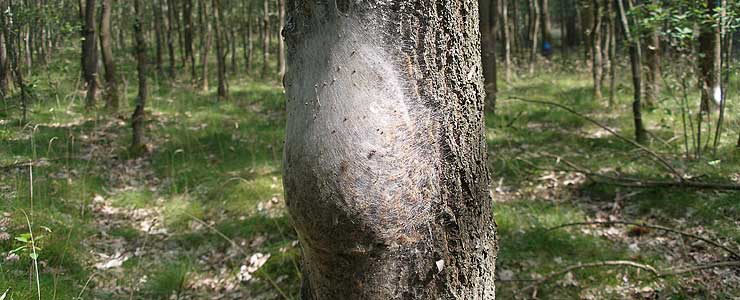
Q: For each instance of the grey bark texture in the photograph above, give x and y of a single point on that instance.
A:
(385, 165)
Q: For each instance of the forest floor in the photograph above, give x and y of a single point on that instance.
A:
(201, 215)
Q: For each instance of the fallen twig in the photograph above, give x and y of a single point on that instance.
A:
(658, 227)
(652, 153)
(24, 164)
(649, 268)
(552, 275)
(678, 271)
(647, 183)
(239, 248)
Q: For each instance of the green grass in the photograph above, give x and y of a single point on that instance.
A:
(521, 133)
(219, 162)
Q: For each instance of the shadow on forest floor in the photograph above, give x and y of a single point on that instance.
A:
(202, 214)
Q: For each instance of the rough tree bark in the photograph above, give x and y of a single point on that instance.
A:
(111, 78)
(385, 164)
(90, 52)
(137, 119)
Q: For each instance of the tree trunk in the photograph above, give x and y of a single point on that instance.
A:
(205, 46)
(157, 9)
(636, 63)
(13, 41)
(121, 33)
(265, 38)
(546, 29)
(612, 52)
(507, 39)
(247, 40)
(232, 34)
(3, 62)
(711, 60)
(281, 43)
(653, 61)
(178, 29)
(90, 52)
(596, 67)
(188, 20)
(249, 51)
(534, 28)
(170, 39)
(220, 55)
(488, 19)
(587, 24)
(386, 174)
(137, 119)
(27, 49)
(111, 78)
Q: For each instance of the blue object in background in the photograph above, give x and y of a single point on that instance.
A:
(546, 49)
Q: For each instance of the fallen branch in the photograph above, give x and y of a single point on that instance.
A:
(682, 270)
(240, 250)
(652, 153)
(658, 227)
(627, 263)
(23, 164)
(647, 183)
(649, 268)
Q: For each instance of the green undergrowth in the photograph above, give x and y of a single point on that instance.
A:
(524, 142)
(218, 163)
